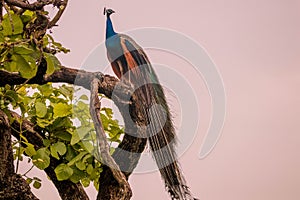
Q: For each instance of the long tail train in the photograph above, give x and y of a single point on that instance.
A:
(130, 63)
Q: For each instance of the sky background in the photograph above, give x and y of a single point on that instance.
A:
(256, 48)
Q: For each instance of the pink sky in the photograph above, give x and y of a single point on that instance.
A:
(256, 47)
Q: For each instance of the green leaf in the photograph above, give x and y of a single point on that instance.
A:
(16, 27)
(63, 172)
(108, 112)
(12, 96)
(29, 13)
(1, 37)
(77, 175)
(29, 150)
(87, 158)
(87, 145)
(46, 89)
(89, 169)
(61, 110)
(82, 106)
(37, 184)
(31, 60)
(46, 142)
(95, 174)
(18, 153)
(62, 122)
(45, 41)
(80, 165)
(22, 50)
(11, 66)
(77, 158)
(41, 159)
(27, 16)
(40, 109)
(29, 180)
(58, 148)
(105, 121)
(96, 184)
(43, 122)
(54, 153)
(79, 134)
(63, 135)
(84, 97)
(71, 153)
(85, 182)
(111, 150)
(67, 91)
(26, 70)
(52, 63)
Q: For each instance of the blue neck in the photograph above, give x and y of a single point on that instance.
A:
(109, 28)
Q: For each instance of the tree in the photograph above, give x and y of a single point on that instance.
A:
(41, 115)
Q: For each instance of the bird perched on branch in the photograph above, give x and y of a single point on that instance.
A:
(131, 64)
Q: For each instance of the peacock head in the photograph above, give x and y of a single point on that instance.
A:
(108, 11)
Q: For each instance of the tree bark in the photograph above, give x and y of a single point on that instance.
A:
(12, 185)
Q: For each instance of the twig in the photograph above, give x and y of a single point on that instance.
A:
(13, 8)
(38, 5)
(95, 106)
(25, 174)
(20, 141)
(61, 10)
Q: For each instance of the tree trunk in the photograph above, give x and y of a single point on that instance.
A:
(12, 185)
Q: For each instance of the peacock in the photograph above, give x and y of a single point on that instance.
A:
(131, 64)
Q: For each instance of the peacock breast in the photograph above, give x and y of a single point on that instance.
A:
(113, 46)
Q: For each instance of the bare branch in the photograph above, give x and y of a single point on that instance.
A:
(61, 10)
(38, 5)
(67, 75)
(124, 191)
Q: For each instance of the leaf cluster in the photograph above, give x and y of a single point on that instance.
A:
(62, 120)
(22, 47)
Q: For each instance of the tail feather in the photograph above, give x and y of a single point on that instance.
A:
(160, 129)
(162, 139)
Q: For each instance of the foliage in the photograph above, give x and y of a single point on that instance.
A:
(22, 49)
(62, 119)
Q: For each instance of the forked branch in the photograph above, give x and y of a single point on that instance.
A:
(124, 192)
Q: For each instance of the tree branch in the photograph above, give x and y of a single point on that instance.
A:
(62, 6)
(66, 75)
(123, 192)
(38, 5)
